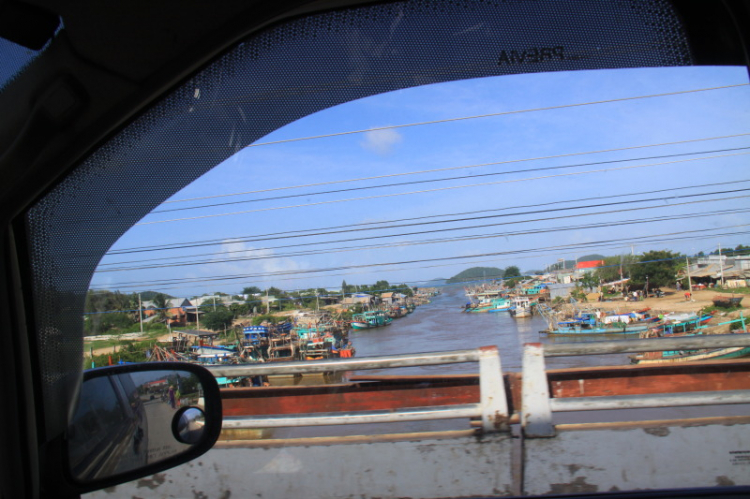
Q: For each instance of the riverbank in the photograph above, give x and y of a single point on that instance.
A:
(672, 301)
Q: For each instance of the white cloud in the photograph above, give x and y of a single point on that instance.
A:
(381, 141)
(265, 263)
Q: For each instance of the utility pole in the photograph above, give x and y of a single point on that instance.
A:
(140, 311)
(690, 280)
(197, 317)
(268, 303)
(721, 266)
(214, 303)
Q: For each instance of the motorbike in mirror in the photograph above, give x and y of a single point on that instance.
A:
(137, 419)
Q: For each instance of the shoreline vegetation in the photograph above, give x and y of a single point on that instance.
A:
(112, 319)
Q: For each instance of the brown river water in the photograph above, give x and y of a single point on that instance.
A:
(441, 326)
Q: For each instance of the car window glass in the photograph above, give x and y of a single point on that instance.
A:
(387, 146)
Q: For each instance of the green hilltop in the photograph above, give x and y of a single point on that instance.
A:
(477, 274)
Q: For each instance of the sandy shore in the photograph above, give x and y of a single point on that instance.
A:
(673, 301)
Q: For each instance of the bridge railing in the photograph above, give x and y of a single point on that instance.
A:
(492, 407)
(537, 407)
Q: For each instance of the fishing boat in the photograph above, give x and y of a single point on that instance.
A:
(397, 311)
(501, 304)
(690, 355)
(268, 342)
(370, 320)
(681, 323)
(727, 301)
(322, 338)
(521, 307)
(672, 356)
(587, 323)
(204, 351)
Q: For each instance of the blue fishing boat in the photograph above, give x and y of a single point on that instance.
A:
(370, 320)
(588, 323)
(501, 304)
(681, 323)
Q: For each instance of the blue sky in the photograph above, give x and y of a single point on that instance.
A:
(456, 145)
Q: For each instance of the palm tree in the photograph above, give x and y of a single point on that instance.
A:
(162, 304)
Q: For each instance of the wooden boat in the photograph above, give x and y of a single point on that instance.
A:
(522, 307)
(681, 323)
(672, 356)
(690, 355)
(588, 323)
(727, 301)
(397, 311)
(500, 304)
(370, 320)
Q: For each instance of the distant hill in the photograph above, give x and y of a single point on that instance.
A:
(477, 274)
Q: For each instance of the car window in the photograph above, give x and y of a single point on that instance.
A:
(388, 148)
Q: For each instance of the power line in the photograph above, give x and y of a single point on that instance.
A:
(624, 244)
(461, 167)
(492, 115)
(484, 217)
(352, 271)
(453, 239)
(348, 228)
(569, 174)
(380, 265)
(446, 179)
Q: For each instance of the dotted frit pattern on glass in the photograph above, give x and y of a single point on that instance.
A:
(287, 72)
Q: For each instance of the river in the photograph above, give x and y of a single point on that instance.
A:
(441, 325)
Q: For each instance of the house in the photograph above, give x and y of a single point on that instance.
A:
(710, 269)
(176, 310)
(560, 290)
(358, 299)
(588, 267)
(392, 298)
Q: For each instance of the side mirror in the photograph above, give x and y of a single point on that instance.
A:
(134, 420)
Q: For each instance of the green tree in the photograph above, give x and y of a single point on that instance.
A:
(404, 289)
(239, 309)
(589, 281)
(511, 271)
(251, 290)
(659, 266)
(218, 320)
(161, 302)
(610, 271)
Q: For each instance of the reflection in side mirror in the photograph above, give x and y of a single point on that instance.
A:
(188, 426)
(141, 418)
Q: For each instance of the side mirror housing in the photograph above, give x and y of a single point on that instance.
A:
(135, 420)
